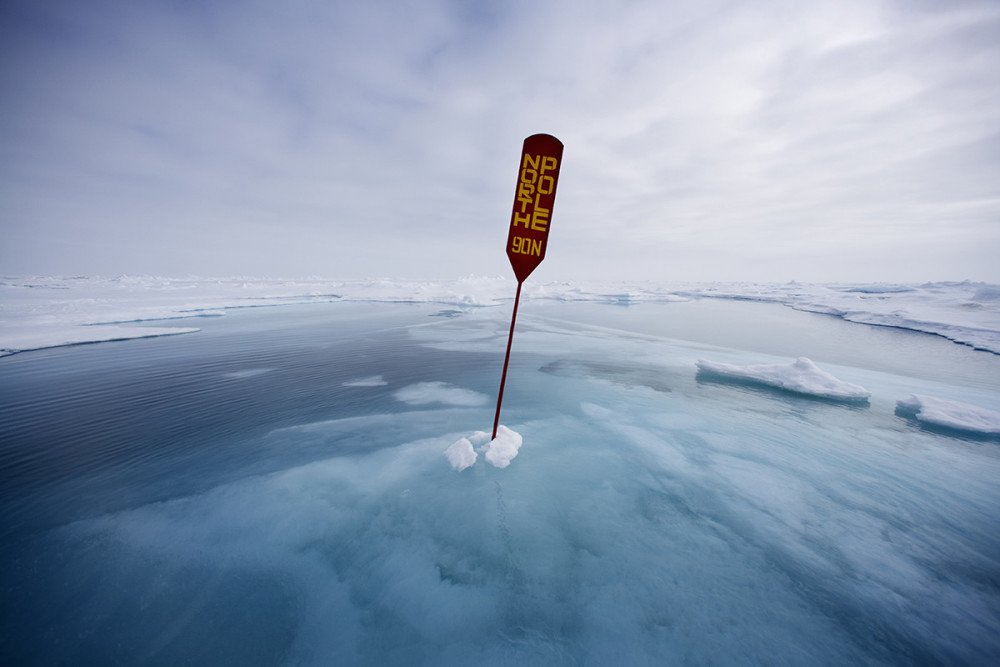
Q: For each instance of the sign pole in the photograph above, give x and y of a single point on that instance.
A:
(506, 360)
(538, 174)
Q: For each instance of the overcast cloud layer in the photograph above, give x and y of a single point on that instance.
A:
(846, 140)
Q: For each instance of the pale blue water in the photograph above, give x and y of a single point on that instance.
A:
(224, 498)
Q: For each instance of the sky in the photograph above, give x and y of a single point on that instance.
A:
(848, 141)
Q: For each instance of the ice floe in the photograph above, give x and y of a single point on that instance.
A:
(802, 376)
(950, 414)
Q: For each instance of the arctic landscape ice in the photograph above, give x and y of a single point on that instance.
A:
(262, 472)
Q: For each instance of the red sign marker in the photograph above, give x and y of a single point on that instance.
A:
(537, 176)
(534, 198)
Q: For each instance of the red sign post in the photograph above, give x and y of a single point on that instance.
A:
(537, 177)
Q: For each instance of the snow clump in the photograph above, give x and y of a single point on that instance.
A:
(499, 452)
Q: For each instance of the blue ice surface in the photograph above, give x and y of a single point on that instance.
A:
(252, 495)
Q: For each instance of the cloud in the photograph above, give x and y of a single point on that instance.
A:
(375, 138)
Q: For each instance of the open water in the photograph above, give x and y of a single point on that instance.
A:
(273, 490)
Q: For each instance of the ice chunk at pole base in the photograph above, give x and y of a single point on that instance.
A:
(499, 451)
(460, 454)
(802, 376)
(950, 414)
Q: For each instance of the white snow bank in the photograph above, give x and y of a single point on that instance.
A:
(499, 452)
(423, 393)
(801, 376)
(951, 414)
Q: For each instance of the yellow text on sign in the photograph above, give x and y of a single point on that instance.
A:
(536, 180)
(525, 246)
